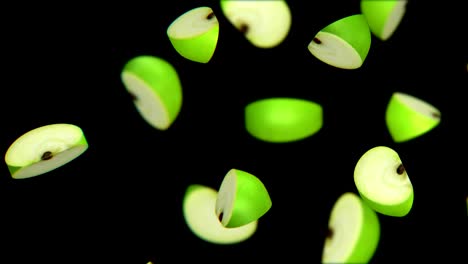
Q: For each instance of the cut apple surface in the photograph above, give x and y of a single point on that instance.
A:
(155, 88)
(199, 213)
(264, 23)
(44, 149)
(383, 16)
(242, 199)
(344, 43)
(280, 120)
(383, 183)
(194, 35)
(408, 117)
(353, 231)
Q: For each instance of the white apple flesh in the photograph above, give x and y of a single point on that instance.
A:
(354, 231)
(44, 149)
(199, 213)
(194, 35)
(383, 182)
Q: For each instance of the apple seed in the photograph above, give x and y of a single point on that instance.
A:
(220, 217)
(210, 16)
(316, 40)
(133, 96)
(47, 155)
(435, 114)
(243, 28)
(401, 169)
(329, 233)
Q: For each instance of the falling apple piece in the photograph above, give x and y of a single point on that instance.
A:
(194, 35)
(44, 149)
(383, 16)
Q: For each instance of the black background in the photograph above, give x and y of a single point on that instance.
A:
(121, 200)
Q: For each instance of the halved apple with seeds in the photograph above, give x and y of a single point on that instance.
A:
(242, 199)
(44, 149)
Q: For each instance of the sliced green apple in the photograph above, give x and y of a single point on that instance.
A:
(353, 231)
(383, 16)
(280, 120)
(199, 213)
(242, 199)
(264, 23)
(155, 88)
(408, 117)
(194, 34)
(383, 183)
(44, 149)
(344, 43)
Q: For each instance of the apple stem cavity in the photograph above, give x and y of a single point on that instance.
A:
(46, 156)
(318, 41)
(401, 169)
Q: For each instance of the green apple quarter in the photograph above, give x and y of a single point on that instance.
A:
(44, 149)
(156, 89)
(281, 119)
(353, 231)
(344, 43)
(264, 23)
(194, 34)
(199, 214)
(383, 182)
(408, 117)
(242, 199)
(383, 16)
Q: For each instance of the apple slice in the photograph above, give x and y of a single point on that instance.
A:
(194, 35)
(408, 117)
(280, 120)
(155, 88)
(353, 231)
(344, 43)
(264, 23)
(199, 213)
(242, 199)
(44, 149)
(382, 182)
(383, 16)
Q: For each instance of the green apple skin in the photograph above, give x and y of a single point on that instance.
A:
(377, 14)
(207, 227)
(16, 170)
(405, 123)
(163, 79)
(251, 201)
(275, 26)
(199, 48)
(369, 236)
(355, 31)
(281, 120)
(399, 210)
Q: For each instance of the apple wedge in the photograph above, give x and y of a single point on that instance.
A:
(344, 43)
(194, 34)
(383, 16)
(383, 183)
(353, 231)
(264, 23)
(242, 199)
(155, 88)
(199, 214)
(44, 149)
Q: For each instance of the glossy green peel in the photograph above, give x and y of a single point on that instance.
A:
(281, 120)
(408, 117)
(242, 199)
(354, 231)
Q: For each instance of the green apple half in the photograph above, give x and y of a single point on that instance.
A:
(382, 182)
(279, 120)
(408, 117)
(353, 231)
(264, 23)
(344, 43)
(199, 213)
(44, 149)
(383, 16)
(242, 199)
(156, 89)
(194, 35)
